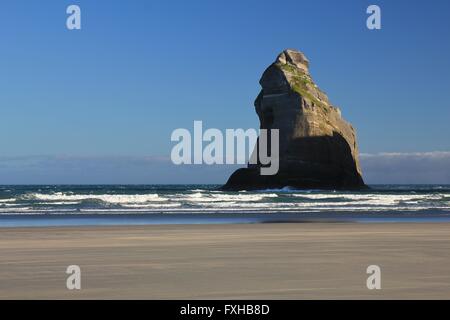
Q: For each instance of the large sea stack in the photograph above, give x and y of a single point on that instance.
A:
(318, 147)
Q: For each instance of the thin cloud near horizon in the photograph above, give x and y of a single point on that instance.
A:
(406, 168)
(378, 168)
(400, 154)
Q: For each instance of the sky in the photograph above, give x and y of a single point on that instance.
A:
(98, 105)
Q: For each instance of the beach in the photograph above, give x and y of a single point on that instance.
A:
(227, 261)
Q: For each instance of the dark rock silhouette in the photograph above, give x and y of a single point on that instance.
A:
(317, 147)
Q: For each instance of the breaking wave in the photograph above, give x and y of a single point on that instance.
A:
(208, 199)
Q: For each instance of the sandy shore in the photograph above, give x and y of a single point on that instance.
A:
(257, 261)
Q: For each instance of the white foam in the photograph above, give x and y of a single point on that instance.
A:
(153, 205)
(220, 197)
(109, 198)
(203, 201)
(53, 203)
(7, 200)
(375, 199)
(15, 210)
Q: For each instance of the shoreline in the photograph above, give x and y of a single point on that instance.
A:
(227, 261)
(138, 219)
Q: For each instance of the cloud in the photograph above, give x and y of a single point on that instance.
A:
(379, 168)
(107, 170)
(406, 168)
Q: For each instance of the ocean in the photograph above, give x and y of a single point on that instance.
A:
(54, 205)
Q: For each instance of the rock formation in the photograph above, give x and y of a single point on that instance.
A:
(318, 148)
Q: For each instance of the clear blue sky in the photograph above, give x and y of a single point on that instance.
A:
(140, 69)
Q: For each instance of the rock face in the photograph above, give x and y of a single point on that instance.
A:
(318, 148)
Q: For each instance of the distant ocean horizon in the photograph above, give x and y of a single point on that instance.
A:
(47, 205)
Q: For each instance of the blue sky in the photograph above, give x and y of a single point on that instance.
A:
(140, 69)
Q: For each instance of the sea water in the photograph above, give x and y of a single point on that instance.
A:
(167, 204)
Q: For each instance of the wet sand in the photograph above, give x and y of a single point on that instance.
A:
(240, 261)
